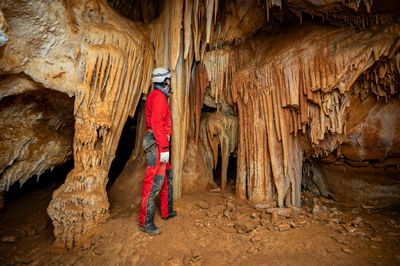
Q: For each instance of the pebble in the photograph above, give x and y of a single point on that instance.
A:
(367, 206)
(376, 239)
(347, 250)
(256, 238)
(356, 221)
(340, 239)
(227, 214)
(215, 190)
(281, 211)
(349, 228)
(301, 220)
(283, 227)
(321, 212)
(8, 239)
(275, 218)
(203, 204)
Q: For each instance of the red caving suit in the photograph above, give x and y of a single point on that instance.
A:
(158, 176)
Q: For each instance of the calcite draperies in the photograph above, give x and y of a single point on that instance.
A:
(116, 69)
(90, 52)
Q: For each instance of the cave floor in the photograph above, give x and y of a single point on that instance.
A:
(211, 229)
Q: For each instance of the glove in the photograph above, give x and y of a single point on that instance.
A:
(168, 137)
(164, 157)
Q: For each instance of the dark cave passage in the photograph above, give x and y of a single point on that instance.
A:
(230, 173)
(125, 147)
(49, 180)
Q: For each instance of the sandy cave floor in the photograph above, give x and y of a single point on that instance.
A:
(211, 229)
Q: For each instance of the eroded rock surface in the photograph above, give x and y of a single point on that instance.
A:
(300, 89)
(86, 50)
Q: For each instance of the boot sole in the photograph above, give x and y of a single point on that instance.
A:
(150, 233)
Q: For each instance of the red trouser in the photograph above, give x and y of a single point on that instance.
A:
(158, 179)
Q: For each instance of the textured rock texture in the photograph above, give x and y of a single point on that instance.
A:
(86, 50)
(37, 131)
(283, 81)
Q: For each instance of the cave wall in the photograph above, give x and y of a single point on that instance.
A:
(365, 166)
(37, 130)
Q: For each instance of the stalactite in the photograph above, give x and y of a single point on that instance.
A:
(302, 91)
(197, 97)
(117, 69)
(220, 130)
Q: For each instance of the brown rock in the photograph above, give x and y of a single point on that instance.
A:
(212, 212)
(265, 221)
(340, 239)
(256, 238)
(283, 227)
(347, 250)
(376, 239)
(357, 221)
(245, 223)
(300, 220)
(227, 214)
(281, 211)
(349, 228)
(9, 239)
(203, 204)
(333, 220)
(321, 212)
(367, 206)
(275, 218)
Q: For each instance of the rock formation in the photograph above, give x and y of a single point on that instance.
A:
(86, 50)
(283, 82)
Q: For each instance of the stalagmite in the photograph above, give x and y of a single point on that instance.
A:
(109, 66)
(220, 131)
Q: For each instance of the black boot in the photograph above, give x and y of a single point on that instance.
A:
(170, 215)
(150, 229)
(171, 212)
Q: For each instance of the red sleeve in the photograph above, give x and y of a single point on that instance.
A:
(158, 116)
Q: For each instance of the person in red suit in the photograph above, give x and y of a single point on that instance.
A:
(158, 177)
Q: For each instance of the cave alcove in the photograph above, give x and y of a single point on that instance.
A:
(125, 147)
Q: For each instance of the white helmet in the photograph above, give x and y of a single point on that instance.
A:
(160, 74)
